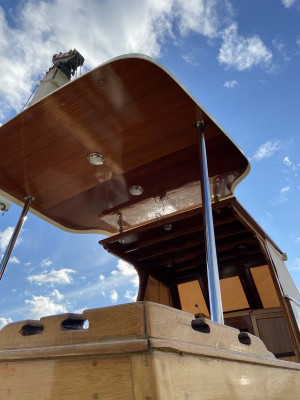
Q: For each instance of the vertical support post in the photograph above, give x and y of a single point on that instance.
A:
(215, 301)
(10, 247)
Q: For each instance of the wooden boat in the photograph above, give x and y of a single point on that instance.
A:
(147, 193)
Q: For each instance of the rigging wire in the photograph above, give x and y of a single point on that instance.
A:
(32, 93)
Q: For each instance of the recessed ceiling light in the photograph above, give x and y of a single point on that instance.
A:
(96, 158)
(136, 190)
(168, 227)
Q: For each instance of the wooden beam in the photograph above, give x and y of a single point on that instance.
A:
(250, 288)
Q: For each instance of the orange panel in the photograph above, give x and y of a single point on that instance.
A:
(158, 293)
(233, 295)
(190, 294)
(265, 286)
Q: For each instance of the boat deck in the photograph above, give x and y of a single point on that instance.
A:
(138, 351)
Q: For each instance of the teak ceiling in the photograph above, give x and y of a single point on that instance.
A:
(135, 114)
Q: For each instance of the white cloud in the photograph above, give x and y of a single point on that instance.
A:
(5, 237)
(125, 278)
(202, 16)
(5, 321)
(41, 306)
(114, 296)
(293, 167)
(100, 30)
(266, 150)
(279, 46)
(230, 84)
(295, 265)
(57, 295)
(288, 3)
(14, 260)
(190, 59)
(125, 268)
(131, 295)
(298, 40)
(287, 161)
(43, 28)
(135, 280)
(62, 276)
(242, 53)
(285, 189)
(46, 262)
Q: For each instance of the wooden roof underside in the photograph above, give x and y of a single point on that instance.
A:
(135, 114)
(178, 255)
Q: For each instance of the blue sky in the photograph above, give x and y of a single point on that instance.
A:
(239, 58)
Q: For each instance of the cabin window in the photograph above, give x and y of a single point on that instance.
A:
(233, 295)
(158, 292)
(191, 294)
(265, 286)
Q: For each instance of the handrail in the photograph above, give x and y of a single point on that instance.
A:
(13, 239)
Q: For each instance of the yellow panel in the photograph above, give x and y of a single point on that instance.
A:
(190, 294)
(158, 292)
(233, 295)
(265, 286)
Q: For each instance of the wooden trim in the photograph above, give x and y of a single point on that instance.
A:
(190, 348)
(143, 277)
(77, 350)
(175, 296)
(250, 289)
(286, 308)
(202, 279)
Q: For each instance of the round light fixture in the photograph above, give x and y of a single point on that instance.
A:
(136, 190)
(96, 158)
(168, 227)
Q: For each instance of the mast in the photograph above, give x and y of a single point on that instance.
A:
(64, 65)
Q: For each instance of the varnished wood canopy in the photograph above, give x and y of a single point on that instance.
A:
(141, 119)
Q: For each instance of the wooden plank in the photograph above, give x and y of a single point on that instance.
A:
(220, 379)
(64, 379)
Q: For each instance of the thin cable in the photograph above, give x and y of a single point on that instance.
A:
(29, 97)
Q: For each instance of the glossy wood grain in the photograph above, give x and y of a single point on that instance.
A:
(139, 117)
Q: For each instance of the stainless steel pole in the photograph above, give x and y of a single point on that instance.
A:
(216, 310)
(10, 247)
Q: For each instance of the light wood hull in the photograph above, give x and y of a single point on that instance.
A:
(139, 351)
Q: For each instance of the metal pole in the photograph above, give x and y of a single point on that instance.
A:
(216, 310)
(13, 239)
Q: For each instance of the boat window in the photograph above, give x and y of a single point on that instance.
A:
(191, 294)
(158, 292)
(265, 286)
(233, 295)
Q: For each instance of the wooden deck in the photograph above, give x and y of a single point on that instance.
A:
(137, 351)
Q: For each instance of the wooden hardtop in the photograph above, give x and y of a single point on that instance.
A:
(142, 120)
